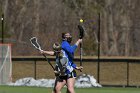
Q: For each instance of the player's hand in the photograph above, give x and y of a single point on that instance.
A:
(80, 40)
(79, 68)
(56, 72)
(41, 51)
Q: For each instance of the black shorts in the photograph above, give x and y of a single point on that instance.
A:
(71, 75)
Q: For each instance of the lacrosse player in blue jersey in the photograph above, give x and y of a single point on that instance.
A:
(70, 74)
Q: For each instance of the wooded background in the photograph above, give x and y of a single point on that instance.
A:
(47, 19)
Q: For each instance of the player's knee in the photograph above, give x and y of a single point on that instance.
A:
(57, 88)
(71, 90)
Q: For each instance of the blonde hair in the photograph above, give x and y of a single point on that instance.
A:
(56, 46)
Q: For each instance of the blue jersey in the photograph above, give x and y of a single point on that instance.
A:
(69, 53)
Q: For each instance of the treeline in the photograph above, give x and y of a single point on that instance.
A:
(47, 19)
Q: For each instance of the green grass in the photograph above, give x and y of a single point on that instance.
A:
(11, 89)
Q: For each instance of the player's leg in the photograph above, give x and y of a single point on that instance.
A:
(70, 85)
(59, 84)
(71, 82)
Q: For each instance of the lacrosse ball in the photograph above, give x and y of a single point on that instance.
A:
(81, 20)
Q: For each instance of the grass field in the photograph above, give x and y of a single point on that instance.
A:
(11, 89)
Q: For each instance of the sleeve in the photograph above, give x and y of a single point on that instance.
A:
(69, 48)
(74, 47)
(73, 65)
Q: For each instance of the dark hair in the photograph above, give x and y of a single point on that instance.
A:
(63, 35)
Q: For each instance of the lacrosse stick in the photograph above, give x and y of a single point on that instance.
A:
(81, 35)
(34, 42)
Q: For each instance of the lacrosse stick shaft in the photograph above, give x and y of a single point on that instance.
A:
(48, 61)
(80, 54)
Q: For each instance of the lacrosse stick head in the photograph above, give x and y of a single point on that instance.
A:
(81, 31)
(34, 42)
